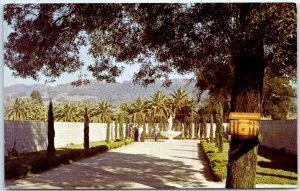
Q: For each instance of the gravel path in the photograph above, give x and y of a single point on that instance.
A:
(152, 165)
(147, 165)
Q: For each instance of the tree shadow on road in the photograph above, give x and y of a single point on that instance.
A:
(115, 170)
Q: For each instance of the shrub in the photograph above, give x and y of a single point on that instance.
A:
(217, 163)
(36, 162)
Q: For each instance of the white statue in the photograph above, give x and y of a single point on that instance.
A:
(170, 123)
(169, 133)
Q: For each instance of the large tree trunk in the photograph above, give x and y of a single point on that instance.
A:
(245, 97)
(51, 135)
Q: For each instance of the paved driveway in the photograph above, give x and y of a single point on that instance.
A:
(152, 165)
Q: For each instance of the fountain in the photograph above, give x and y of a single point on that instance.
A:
(170, 133)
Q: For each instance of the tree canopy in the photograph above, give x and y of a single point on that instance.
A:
(228, 46)
(161, 38)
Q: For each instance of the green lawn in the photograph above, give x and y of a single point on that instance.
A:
(80, 146)
(273, 167)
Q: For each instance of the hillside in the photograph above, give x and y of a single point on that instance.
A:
(95, 91)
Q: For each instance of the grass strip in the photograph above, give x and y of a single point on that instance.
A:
(273, 166)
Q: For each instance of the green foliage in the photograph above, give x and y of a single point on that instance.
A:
(203, 130)
(22, 109)
(118, 143)
(51, 134)
(158, 109)
(219, 126)
(181, 104)
(116, 124)
(84, 109)
(36, 162)
(140, 110)
(213, 24)
(273, 167)
(104, 113)
(217, 161)
(66, 112)
(121, 125)
(278, 94)
(211, 130)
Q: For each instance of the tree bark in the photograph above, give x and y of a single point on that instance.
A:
(51, 135)
(246, 97)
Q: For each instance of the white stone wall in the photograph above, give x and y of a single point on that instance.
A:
(279, 134)
(32, 136)
(72, 133)
(29, 136)
(225, 126)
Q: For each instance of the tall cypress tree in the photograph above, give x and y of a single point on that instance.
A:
(219, 126)
(51, 134)
(121, 125)
(203, 127)
(107, 140)
(86, 129)
(211, 132)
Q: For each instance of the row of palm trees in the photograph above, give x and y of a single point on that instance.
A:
(156, 109)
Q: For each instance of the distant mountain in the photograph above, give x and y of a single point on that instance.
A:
(95, 91)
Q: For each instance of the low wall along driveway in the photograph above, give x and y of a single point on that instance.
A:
(280, 135)
(30, 136)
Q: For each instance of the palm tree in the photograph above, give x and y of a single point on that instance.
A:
(37, 110)
(66, 112)
(103, 110)
(86, 112)
(158, 110)
(18, 110)
(181, 103)
(83, 108)
(40, 113)
(140, 107)
(128, 110)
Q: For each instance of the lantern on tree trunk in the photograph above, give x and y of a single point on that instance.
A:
(244, 125)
